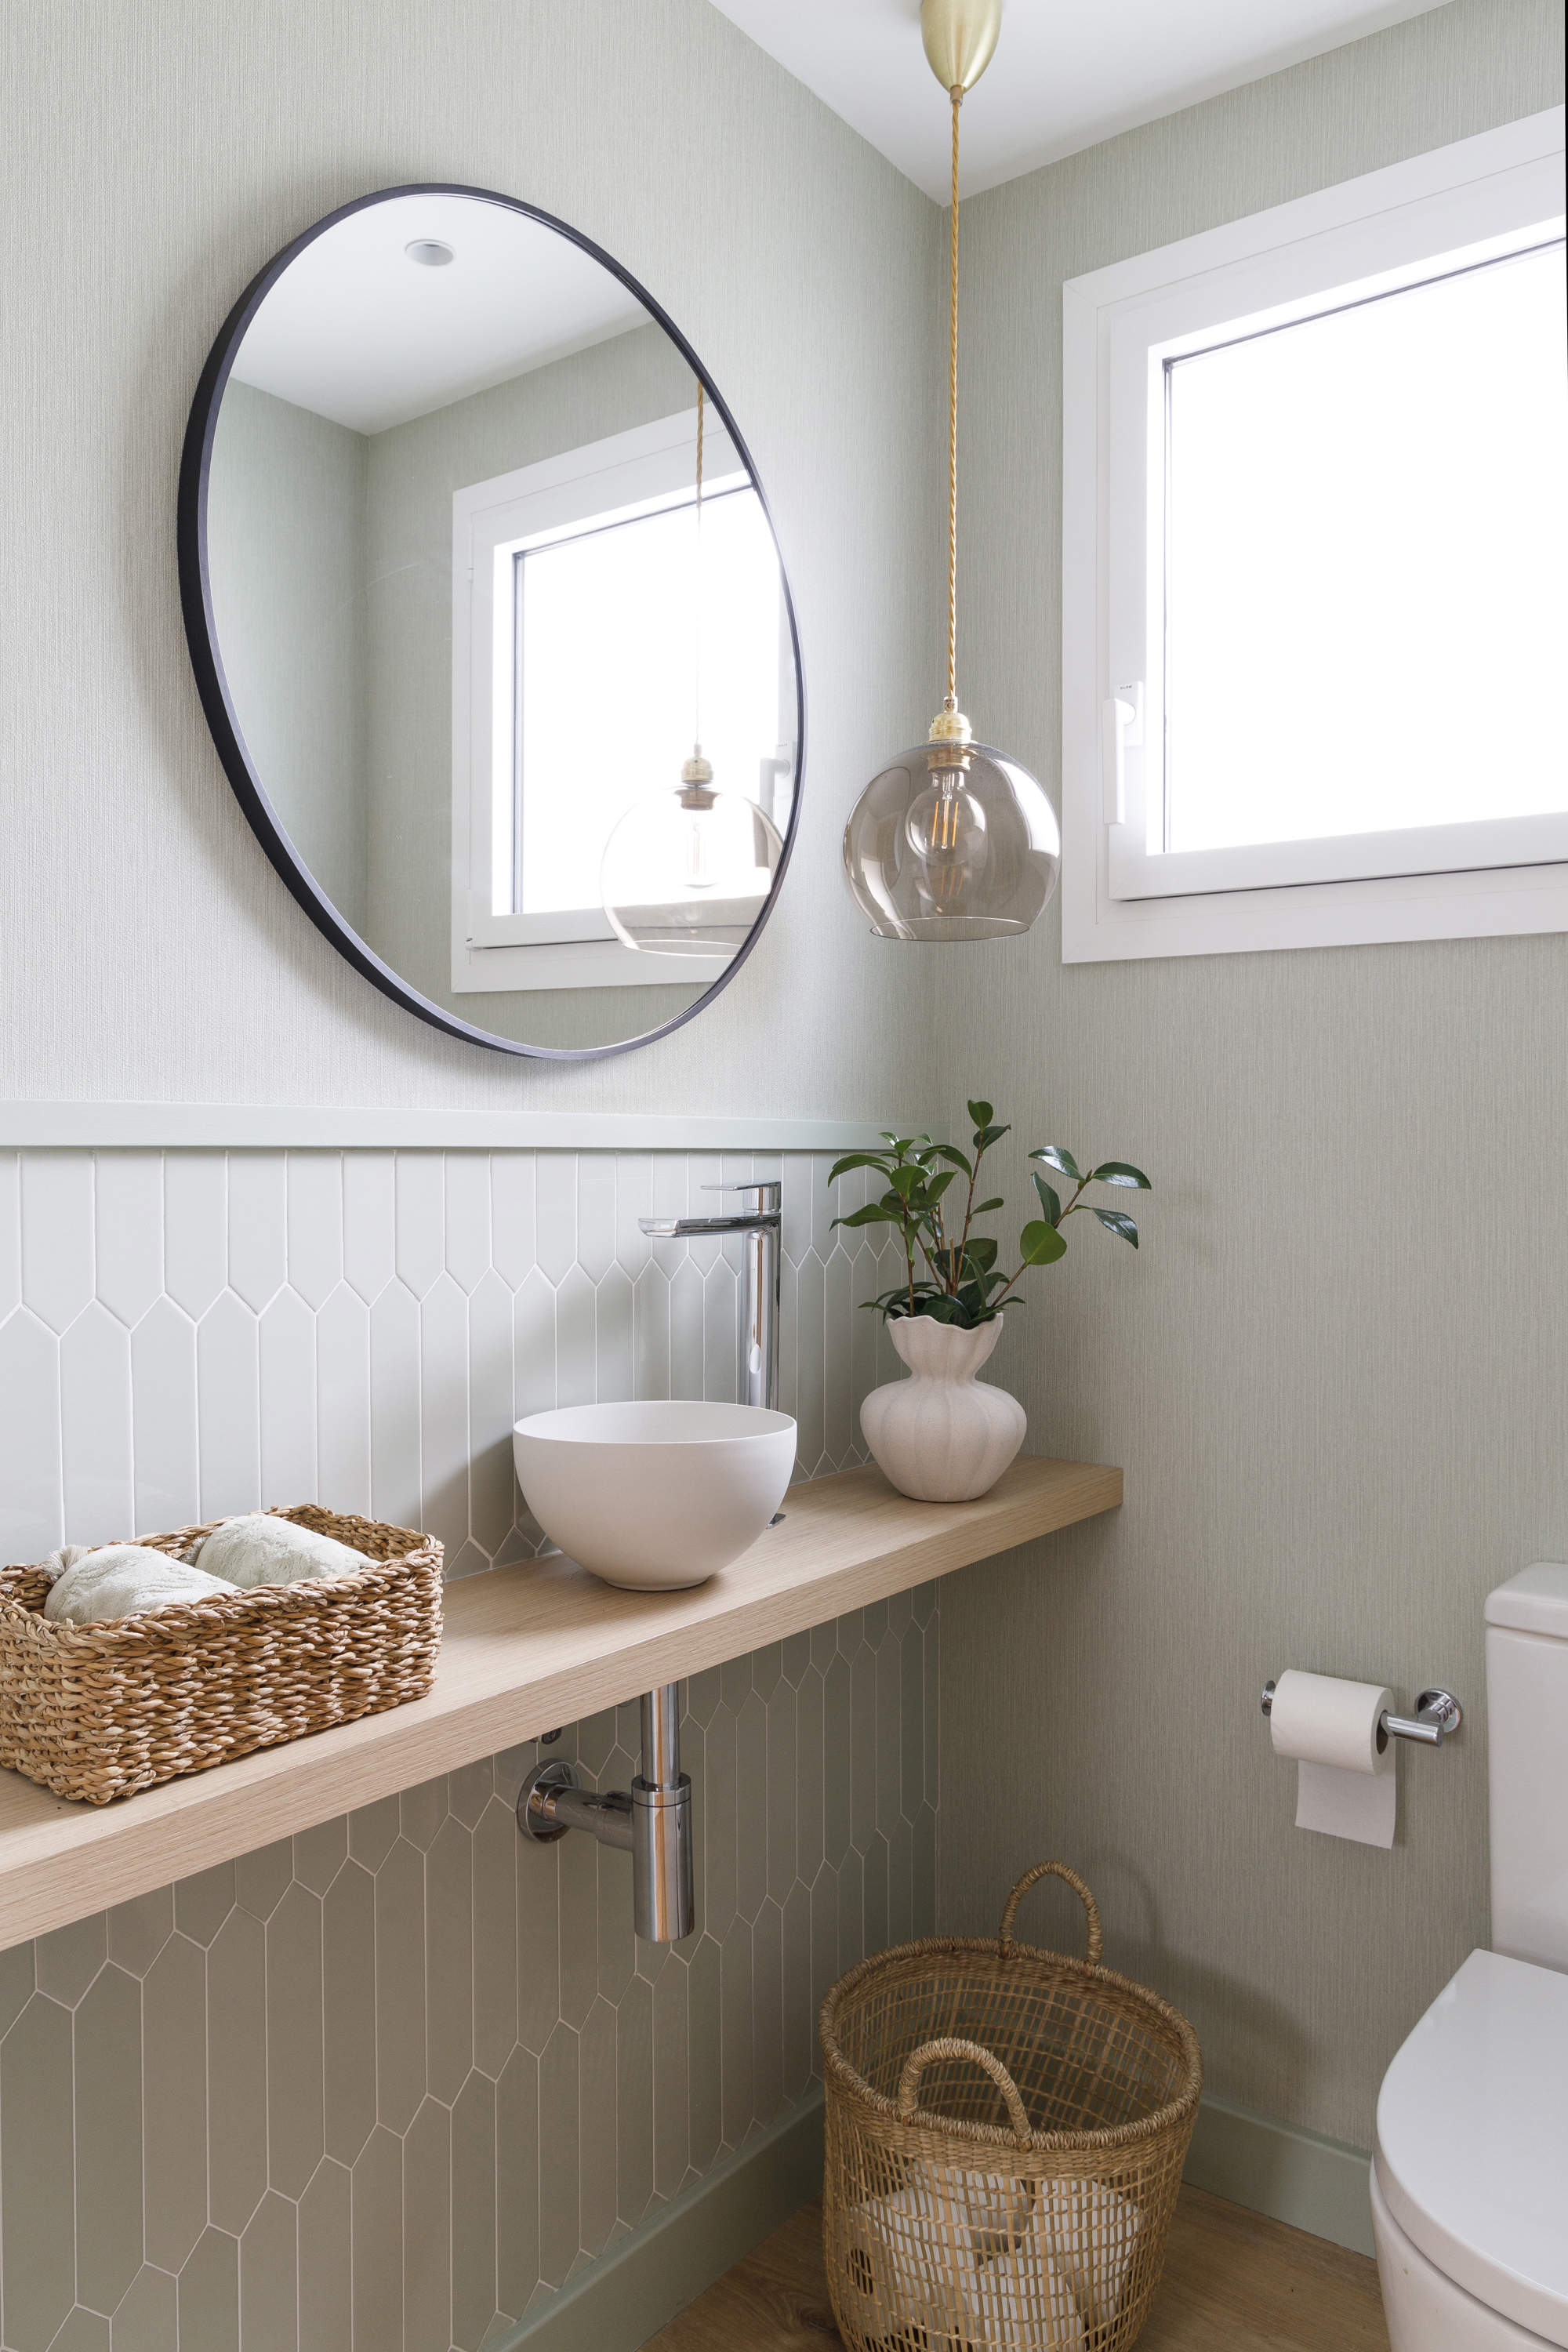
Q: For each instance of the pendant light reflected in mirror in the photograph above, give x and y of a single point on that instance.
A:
(953, 840)
(685, 872)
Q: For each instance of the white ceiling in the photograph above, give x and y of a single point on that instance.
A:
(360, 333)
(1066, 73)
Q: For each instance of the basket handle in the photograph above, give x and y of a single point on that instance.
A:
(1051, 1870)
(917, 2062)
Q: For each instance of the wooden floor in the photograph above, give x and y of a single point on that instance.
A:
(1233, 2283)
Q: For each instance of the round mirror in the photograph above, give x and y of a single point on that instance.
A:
(489, 623)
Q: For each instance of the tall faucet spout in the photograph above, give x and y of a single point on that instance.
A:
(760, 1223)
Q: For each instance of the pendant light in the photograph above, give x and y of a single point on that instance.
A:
(686, 872)
(953, 840)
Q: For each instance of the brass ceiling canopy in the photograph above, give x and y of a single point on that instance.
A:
(953, 840)
(960, 37)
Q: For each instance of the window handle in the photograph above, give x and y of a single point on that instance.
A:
(1123, 729)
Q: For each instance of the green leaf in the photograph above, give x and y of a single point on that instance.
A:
(873, 1213)
(939, 1185)
(1041, 1244)
(981, 1113)
(1120, 1172)
(983, 1208)
(1063, 1161)
(1050, 1200)
(950, 1151)
(857, 1159)
(1115, 1222)
(905, 1181)
(976, 1305)
(981, 1255)
(986, 1136)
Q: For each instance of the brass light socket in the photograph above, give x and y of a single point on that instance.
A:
(960, 37)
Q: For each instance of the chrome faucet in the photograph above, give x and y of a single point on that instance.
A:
(761, 1224)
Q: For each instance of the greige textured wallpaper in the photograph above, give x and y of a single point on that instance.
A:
(1334, 1373)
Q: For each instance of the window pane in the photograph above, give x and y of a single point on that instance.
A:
(607, 649)
(1366, 591)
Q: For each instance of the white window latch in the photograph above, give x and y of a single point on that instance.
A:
(1121, 730)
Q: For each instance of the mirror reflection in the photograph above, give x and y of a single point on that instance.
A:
(501, 622)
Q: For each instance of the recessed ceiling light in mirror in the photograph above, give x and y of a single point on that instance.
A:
(429, 253)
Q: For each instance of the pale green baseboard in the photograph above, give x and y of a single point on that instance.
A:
(1293, 2176)
(622, 2300)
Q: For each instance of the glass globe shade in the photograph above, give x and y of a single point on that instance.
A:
(951, 841)
(688, 872)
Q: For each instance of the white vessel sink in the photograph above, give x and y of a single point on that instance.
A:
(655, 1496)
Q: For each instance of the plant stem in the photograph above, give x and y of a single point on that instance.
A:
(1084, 1182)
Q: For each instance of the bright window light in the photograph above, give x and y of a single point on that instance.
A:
(1366, 566)
(606, 685)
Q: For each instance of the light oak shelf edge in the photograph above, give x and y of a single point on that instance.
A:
(525, 1649)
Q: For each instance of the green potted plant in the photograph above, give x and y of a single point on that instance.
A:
(943, 1435)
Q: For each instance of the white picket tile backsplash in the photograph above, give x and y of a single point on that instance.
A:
(190, 1333)
(388, 2092)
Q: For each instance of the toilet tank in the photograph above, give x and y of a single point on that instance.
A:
(1527, 1707)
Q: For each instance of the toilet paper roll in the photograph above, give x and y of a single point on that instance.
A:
(1345, 1785)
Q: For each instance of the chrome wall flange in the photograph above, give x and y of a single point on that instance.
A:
(535, 1801)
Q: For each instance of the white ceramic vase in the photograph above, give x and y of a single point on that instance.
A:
(942, 1435)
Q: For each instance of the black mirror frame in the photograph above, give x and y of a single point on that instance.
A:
(201, 636)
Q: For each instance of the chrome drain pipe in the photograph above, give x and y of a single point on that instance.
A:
(652, 1823)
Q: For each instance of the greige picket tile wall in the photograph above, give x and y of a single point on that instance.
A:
(386, 2087)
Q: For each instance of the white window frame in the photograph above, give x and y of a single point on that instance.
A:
(1119, 325)
(640, 472)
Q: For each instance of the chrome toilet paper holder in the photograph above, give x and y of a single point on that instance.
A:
(1437, 1717)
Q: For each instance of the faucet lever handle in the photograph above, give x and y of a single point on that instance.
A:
(768, 1190)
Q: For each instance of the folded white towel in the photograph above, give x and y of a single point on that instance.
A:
(260, 1548)
(997, 2210)
(1021, 2303)
(900, 2262)
(121, 1580)
(1087, 2232)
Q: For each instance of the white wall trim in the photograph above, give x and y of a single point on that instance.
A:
(626, 2296)
(1314, 2184)
(273, 1127)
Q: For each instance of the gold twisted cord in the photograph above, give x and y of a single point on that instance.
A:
(696, 629)
(952, 431)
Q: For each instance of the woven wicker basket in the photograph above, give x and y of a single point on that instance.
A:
(949, 2229)
(95, 1711)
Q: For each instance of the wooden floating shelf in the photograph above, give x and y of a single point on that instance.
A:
(525, 1649)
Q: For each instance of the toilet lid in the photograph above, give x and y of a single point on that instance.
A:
(1472, 2138)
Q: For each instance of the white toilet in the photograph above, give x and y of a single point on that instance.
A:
(1469, 2176)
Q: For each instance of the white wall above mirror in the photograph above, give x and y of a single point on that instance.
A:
(489, 622)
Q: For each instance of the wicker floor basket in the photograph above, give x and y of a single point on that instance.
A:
(1006, 2135)
(96, 1711)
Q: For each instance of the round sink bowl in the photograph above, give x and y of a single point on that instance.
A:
(654, 1497)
